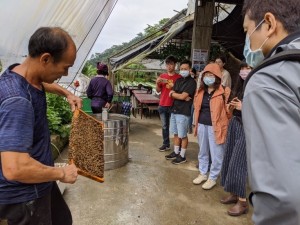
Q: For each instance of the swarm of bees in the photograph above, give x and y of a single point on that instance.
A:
(86, 146)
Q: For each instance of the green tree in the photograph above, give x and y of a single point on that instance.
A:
(155, 28)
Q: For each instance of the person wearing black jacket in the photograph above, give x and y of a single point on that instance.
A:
(183, 93)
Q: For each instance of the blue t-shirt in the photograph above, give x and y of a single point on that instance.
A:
(23, 128)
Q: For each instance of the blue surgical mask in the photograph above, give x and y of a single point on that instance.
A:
(184, 73)
(253, 58)
(209, 80)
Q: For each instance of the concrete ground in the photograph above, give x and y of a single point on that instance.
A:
(149, 190)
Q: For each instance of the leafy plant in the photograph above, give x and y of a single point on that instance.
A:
(59, 115)
(89, 70)
(180, 52)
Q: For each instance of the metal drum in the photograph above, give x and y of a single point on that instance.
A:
(116, 131)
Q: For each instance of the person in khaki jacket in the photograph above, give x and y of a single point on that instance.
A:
(212, 115)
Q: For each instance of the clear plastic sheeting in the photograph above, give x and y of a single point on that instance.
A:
(83, 19)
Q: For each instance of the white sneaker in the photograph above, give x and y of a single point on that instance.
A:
(200, 179)
(209, 184)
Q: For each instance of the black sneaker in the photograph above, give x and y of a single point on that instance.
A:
(173, 155)
(179, 159)
(164, 148)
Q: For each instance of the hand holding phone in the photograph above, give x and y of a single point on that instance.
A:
(236, 103)
(235, 99)
(160, 80)
(163, 80)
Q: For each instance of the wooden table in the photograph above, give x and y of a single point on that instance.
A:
(139, 91)
(133, 100)
(146, 99)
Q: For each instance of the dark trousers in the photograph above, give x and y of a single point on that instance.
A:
(96, 110)
(191, 117)
(97, 105)
(48, 210)
(165, 115)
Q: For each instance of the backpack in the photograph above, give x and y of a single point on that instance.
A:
(287, 55)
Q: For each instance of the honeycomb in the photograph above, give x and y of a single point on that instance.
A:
(86, 146)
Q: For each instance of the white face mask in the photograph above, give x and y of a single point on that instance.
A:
(184, 73)
(253, 58)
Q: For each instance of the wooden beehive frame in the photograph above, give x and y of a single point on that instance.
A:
(86, 147)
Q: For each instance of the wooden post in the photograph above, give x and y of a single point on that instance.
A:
(111, 76)
(202, 29)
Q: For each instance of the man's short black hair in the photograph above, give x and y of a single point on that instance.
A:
(52, 40)
(186, 61)
(285, 11)
(171, 59)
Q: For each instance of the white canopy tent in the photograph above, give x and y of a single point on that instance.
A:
(83, 19)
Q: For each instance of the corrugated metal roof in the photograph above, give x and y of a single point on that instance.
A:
(227, 30)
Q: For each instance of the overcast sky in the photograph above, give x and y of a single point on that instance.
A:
(131, 17)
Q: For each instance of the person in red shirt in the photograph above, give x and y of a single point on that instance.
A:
(164, 84)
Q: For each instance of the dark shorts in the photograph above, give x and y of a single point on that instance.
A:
(48, 210)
